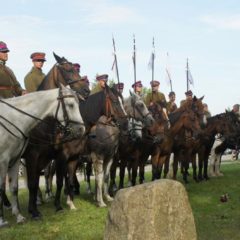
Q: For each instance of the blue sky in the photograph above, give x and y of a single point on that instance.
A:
(205, 31)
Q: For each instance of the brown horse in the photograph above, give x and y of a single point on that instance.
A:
(42, 142)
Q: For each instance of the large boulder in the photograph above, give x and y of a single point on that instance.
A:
(155, 210)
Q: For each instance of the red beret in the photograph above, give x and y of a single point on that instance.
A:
(3, 47)
(38, 56)
(103, 77)
(155, 83)
(137, 84)
(119, 86)
(189, 93)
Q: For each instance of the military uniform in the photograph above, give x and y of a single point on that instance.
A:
(171, 107)
(9, 86)
(155, 97)
(33, 79)
(96, 89)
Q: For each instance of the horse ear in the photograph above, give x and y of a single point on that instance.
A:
(201, 98)
(58, 59)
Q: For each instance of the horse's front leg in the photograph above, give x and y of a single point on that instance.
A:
(113, 170)
(98, 169)
(107, 168)
(13, 186)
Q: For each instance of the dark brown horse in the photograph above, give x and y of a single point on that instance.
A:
(42, 143)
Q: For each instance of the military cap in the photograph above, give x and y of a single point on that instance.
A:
(137, 84)
(3, 47)
(103, 77)
(119, 86)
(188, 93)
(77, 66)
(85, 78)
(155, 83)
(38, 56)
(171, 94)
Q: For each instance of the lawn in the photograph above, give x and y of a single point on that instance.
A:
(214, 219)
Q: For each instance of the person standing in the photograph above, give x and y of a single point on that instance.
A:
(9, 86)
(101, 82)
(171, 105)
(35, 77)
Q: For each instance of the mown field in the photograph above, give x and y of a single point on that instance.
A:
(214, 219)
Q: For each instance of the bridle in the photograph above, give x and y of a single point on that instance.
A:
(135, 107)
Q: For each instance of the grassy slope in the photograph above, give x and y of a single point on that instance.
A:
(214, 220)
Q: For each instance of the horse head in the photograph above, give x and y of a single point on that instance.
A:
(136, 108)
(198, 108)
(67, 113)
(64, 72)
(114, 107)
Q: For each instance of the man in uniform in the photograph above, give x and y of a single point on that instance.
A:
(101, 82)
(35, 77)
(77, 67)
(119, 87)
(171, 105)
(189, 97)
(206, 111)
(9, 86)
(155, 96)
(137, 86)
(85, 78)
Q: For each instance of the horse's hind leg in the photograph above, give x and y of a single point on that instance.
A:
(88, 177)
(13, 186)
(3, 173)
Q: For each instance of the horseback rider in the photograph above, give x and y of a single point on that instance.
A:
(155, 96)
(9, 86)
(137, 86)
(85, 79)
(35, 77)
(206, 111)
(189, 97)
(171, 105)
(119, 87)
(77, 67)
(101, 82)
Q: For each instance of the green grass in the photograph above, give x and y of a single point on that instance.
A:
(214, 220)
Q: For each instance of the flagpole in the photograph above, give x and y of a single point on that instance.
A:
(153, 57)
(115, 59)
(134, 62)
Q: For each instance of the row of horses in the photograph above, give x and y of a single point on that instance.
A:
(48, 125)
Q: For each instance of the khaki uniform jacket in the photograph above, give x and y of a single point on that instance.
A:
(154, 97)
(33, 79)
(96, 89)
(171, 107)
(8, 81)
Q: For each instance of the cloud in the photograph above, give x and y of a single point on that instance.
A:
(222, 22)
(103, 12)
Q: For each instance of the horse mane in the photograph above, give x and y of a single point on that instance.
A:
(43, 85)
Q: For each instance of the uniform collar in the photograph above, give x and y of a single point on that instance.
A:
(36, 69)
(2, 62)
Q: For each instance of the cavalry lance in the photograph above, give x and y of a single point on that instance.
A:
(115, 60)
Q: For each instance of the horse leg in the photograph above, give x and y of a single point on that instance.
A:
(134, 170)
(49, 172)
(88, 177)
(217, 166)
(123, 164)
(13, 187)
(194, 166)
(98, 168)
(3, 173)
(155, 165)
(166, 166)
(107, 168)
(205, 166)
(113, 170)
(61, 170)
(141, 170)
(200, 165)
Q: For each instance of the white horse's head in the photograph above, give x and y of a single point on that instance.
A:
(136, 108)
(135, 129)
(68, 113)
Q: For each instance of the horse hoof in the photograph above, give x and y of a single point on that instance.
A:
(3, 223)
(59, 209)
(21, 219)
(102, 205)
(109, 198)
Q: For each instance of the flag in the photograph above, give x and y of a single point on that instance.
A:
(190, 78)
(151, 60)
(114, 62)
